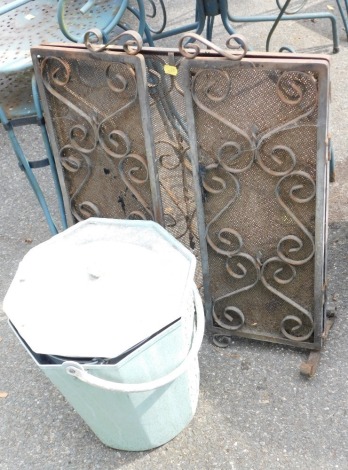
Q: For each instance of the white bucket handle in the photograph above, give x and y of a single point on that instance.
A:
(76, 370)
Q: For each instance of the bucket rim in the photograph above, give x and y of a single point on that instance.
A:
(77, 370)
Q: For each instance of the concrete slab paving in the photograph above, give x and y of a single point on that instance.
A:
(255, 410)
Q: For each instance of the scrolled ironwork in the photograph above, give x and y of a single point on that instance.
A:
(136, 175)
(89, 209)
(212, 87)
(71, 164)
(220, 183)
(191, 50)
(115, 142)
(282, 155)
(173, 157)
(136, 215)
(74, 161)
(232, 271)
(287, 323)
(287, 327)
(297, 90)
(291, 86)
(292, 89)
(79, 134)
(116, 139)
(233, 156)
(133, 46)
(232, 317)
(175, 152)
(205, 89)
(118, 78)
(222, 341)
(253, 202)
(225, 234)
(293, 239)
(132, 172)
(90, 128)
(58, 72)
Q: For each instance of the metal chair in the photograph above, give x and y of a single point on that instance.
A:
(290, 10)
(25, 23)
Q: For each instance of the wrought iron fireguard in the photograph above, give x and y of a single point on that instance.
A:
(228, 153)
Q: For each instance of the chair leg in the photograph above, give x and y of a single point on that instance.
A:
(49, 153)
(343, 14)
(28, 171)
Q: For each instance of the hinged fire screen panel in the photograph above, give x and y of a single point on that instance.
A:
(258, 135)
(97, 114)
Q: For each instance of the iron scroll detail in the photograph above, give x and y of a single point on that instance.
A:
(133, 46)
(234, 42)
(238, 267)
(292, 326)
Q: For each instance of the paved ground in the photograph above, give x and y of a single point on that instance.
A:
(255, 410)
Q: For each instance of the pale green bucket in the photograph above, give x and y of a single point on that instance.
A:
(144, 400)
(129, 301)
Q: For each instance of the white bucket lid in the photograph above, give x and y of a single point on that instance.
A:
(99, 288)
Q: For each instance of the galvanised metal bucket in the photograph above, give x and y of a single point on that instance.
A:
(144, 400)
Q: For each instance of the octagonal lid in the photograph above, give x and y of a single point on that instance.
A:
(99, 288)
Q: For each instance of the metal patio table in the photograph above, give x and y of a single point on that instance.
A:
(208, 10)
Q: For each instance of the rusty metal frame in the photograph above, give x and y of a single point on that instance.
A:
(222, 334)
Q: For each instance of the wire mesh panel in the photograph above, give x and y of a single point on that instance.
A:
(97, 115)
(258, 137)
(168, 116)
